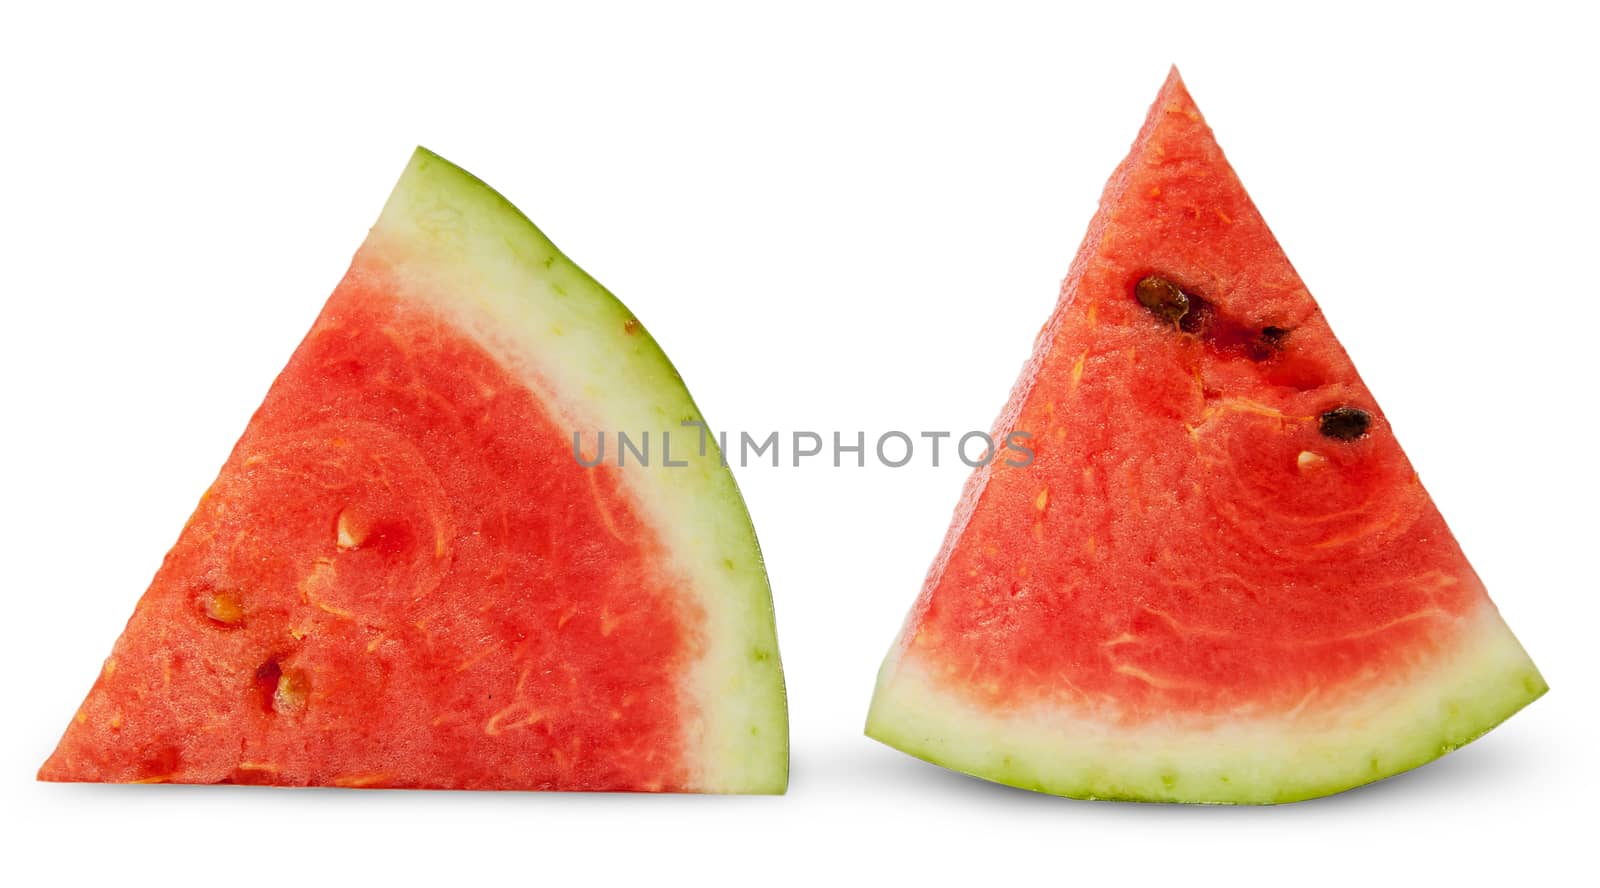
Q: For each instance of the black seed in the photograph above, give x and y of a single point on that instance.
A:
(1266, 344)
(1163, 298)
(1344, 423)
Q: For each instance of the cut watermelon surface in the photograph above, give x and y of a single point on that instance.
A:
(403, 577)
(1220, 579)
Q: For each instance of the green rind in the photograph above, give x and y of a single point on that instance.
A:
(1296, 757)
(458, 244)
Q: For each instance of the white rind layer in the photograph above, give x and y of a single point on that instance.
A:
(449, 241)
(1312, 752)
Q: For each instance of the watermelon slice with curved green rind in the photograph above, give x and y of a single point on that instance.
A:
(402, 577)
(1219, 579)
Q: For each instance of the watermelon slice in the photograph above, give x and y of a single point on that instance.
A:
(1219, 579)
(403, 577)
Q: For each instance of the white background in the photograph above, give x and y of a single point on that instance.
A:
(833, 218)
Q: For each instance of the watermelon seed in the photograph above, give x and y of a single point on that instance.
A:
(1163, 298)
(290, 694)
(224, 608)
(1344, 423)
(348, 534)
(1310, 459)
(1267, 344)
(1194, 315)
(282, 691)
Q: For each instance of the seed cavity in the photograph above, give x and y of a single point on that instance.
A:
(266, 682)
(1163, 298)
(1344, 423)
(283, 691)
(1193, 314)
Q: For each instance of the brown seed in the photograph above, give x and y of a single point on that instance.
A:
(1163, 298)
(224, 608)
(1344, 423)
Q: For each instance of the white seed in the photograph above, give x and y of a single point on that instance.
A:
(1310, 459)
(348, 537)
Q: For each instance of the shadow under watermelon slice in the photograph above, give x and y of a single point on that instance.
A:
(1219, 580)
(402, 577)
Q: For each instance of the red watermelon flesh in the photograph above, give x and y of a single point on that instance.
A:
(402, 577)
(1220, 579)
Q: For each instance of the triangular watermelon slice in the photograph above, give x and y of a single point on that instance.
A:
(1219, 579)
(403, 577)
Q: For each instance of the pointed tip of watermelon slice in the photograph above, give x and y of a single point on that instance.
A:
(1173, 86)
